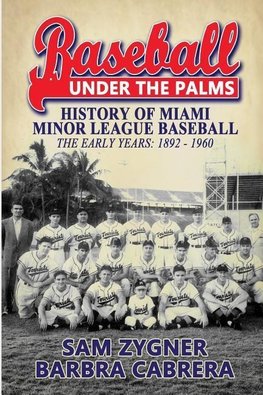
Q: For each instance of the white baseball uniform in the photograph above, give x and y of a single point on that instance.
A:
(178, 303)
(197, 235)
(136, 233)
(118, 265)
(60, 236)
(228, 243)
(225, 293)
(153, 288)
(256, 237)
(207, 265)
(104, 299)
(80, 271)
(165, 237)
(106, 231)
(62, 303)
(141, 309)
(244, 269)
(38, 270)
(80, 233)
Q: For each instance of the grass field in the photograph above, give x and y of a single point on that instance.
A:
(23, 343)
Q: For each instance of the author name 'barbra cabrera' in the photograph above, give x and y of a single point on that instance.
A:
(157, 70)
(129, 360)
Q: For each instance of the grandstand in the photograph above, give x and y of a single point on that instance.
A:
(154, 198)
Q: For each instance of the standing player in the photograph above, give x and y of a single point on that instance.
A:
(58, 235)
(255, 234)
(81, 269)
(227, 238)
(104, 302)
(176, 296)
(165, 235)
(225, 299)
(107, 230)
(246, 269)
(65, 304)
(35, 272)
(119, 265)
(197, 233)
(146, 268)
(136, 231)
(81, 231)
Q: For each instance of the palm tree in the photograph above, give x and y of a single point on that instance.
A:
(78, 174)
(40, 167)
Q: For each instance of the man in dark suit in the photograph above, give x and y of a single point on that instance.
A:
(17, 234)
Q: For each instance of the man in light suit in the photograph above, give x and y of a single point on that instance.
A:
(17, 234)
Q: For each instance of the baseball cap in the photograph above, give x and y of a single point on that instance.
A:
(140, 283)
(115, 241)
(83, 245)
(198, 210)
(81, 209)
(148, 243)
(222, 268)
(165, 210)
(183, 244)
(54, 211)
(210, 242)
(178, 268)
(226, 220)
(245, 240)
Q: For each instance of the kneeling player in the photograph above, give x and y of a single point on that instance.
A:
(225, 299)
(141, 309)
(65, 304)
(104, 302)
(35, 272)
(176, 297)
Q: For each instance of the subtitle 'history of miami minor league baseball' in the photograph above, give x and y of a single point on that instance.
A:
(129, 127)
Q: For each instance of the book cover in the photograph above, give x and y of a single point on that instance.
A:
(163, 100)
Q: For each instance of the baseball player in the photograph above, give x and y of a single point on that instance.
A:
(165, 235)
(227, 238)
(176, 296)
(104, 302)
(225, 299)
(180, 258)
(59, 236)
(35, 272)
(140, 309)
(81, 231)
(197, 233)
(246, 269)
(81, 269)
(145, 269)
(255, 234)
(65, 304)
(119, 265)
(107, 230)
(203, 269)
(136, 231)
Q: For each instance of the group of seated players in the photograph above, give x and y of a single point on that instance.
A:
(158, 286)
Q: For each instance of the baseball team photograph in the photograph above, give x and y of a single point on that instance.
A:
(97, 265)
